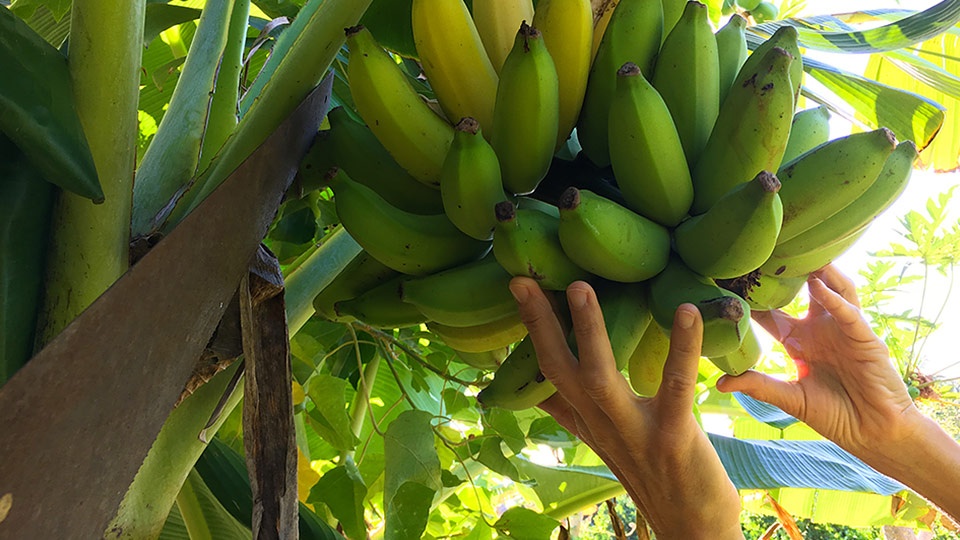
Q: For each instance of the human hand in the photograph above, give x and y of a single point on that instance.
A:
(847, 389)
(653, 445)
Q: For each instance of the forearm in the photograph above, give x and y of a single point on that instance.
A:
(928, 463)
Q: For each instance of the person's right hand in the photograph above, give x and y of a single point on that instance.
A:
(847, 389)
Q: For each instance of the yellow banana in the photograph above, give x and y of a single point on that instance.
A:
(526, 114)
(601, 21)
(415, 136)
(567, 28)
(751, 131)
(470, 185)
(645, 365)
(633, 35)
(485, 360)
(497, 22)
(408, 243)
(454, 60)
(493, 335)
(646, 152)
(687, 75)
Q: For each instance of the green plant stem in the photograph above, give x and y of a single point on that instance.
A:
(90, 243)
(390, 340)
(361, 402)
(315, 273)
(193, 519)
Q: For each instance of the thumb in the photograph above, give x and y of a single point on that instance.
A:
(786, 395)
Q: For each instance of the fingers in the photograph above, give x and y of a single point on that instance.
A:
(680, 370)
(847, 315)
(788, 396)
(549, 339)
(777, 323)
(836, 280)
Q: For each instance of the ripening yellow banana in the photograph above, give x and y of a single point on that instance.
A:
(454, 59)
(497, 22)
(567, 28)
(601, 19)
(416, 137)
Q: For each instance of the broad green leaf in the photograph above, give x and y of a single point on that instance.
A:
(329, 416)
(840, 507)
(912, 29)
(26, 8)
(764, 412)
(491, 455)
(932, 70)
(280, 8)
(159, 17)
(525, 524)
(411, 475)
(408, 511)
(342, 490)
(54, 30)
(389, 22)
(910, 116)
(758, 464)
(204, 516)
(564, 490)
(546, 430)
(504, 423)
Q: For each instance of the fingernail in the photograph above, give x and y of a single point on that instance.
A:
(684, 318)
(519, 292)
(577, 298)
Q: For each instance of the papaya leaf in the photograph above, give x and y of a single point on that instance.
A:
(504, 423)
(523, 523)
(491, 455)
(329, 415)
(343, 490)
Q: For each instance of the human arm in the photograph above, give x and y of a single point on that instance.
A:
(849, 391)
(653, 445)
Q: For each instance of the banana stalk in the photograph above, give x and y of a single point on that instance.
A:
(90, 243)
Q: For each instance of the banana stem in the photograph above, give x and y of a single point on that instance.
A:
(90, 243)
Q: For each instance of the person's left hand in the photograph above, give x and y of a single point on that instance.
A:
(653, 445)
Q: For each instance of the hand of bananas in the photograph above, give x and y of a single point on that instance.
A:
(690, 130)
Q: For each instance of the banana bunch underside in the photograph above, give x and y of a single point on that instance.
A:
(650, 155)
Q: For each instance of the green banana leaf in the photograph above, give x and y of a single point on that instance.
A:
(907, 31)
(764, 412)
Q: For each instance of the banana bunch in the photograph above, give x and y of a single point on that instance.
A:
(698, 180)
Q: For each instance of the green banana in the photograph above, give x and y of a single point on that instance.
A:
(646, 152)
(351, 146)
(497, 22)
(518, 383)
(813, 260)
(645, 365)
(687, 76)
(888, 186)
(825, 180)
(454, 59)
(672, 11)
(567, 28)
(414, 135)
(743, 358)
(382, 307)
(787, 38)
(725, 315)
(737, 234)
(810, 129)
(358, 276)
(609, 240)
(468, 295)
(527, 112)
(486, 360)
(494, 335)
(408, 243)
(470, 184)
(526, 243)
(731, 52)
(633, 35)
(764, 291)
(751, 131)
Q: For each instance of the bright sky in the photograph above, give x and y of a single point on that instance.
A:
(940, 351)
